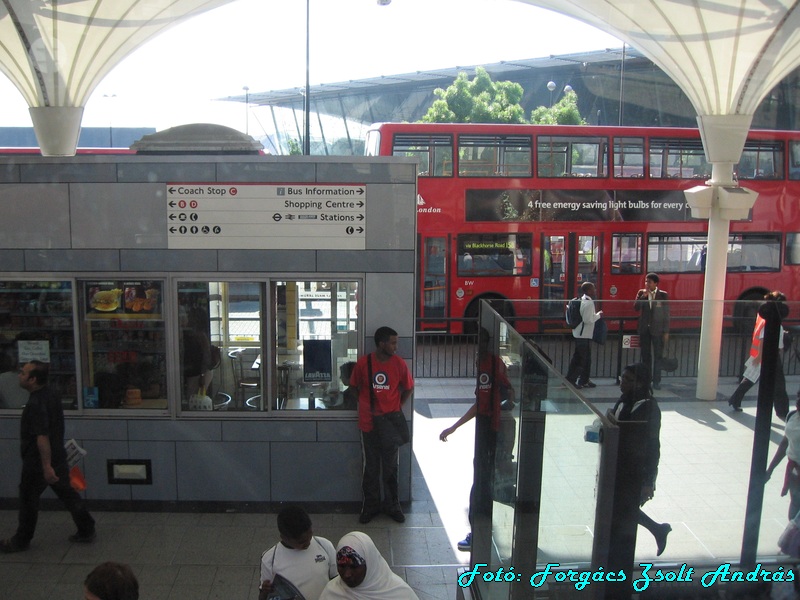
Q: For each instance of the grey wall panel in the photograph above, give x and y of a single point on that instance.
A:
(68, 170)
(183, 430)
(118, 216)
(9, 173)
(391, 217)
(338, 431)
(134, 172)
(405, 348)
(94, 467)
(263, 261)
(95, 429)
(269, 431)
(34, 216)
(285, 171)
(169, 260)
(9, 426)
(375, 261)
(162, 457)
(224, 472)
(389, 303)
(330, 472)
(72, 260)
(12, 260)
(12, 467)
(374, 171)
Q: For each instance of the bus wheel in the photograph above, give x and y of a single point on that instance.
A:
(501, 305)
(745, 311)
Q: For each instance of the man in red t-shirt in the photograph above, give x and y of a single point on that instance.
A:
(489, 436)
(384, 384)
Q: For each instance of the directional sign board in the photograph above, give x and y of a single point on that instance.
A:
(271, 217)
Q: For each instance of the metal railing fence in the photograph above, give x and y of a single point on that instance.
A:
(444, 355)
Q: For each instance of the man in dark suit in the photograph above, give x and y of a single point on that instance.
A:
(653, 306)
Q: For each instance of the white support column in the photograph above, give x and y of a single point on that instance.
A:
(713, 304)
(723, 139)
(57, 128)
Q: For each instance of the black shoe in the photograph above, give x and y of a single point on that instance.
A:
(589, 384)
(735, 407)
(397, 515)
(365, 517)
(83, 538)
(10, 546)
(661, 538)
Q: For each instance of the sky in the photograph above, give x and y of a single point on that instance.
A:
(180, 76)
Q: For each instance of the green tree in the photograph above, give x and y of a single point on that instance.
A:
(563, 112)
(294, 146)
(478, 101)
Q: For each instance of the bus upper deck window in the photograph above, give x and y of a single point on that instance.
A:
(433, 153)
(760, 160)
(572, 156)
(629, 157)
(494, 156)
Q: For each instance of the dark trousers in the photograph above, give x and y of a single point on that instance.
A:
(581, 361)
(480, 496)
(380, 466)
(781, 400)
(652, 351)
(31, 486)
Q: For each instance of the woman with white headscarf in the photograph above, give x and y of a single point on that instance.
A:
(364, 573)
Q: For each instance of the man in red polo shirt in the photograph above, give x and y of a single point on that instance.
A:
(384, 384)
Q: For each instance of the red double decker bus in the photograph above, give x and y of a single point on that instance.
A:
(509, 212)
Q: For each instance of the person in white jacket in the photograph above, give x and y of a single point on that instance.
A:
(579, 365)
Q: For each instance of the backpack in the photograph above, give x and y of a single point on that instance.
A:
(572, 314)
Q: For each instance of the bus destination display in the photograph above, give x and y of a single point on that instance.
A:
(268, 217)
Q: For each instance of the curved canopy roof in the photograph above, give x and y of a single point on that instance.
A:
(726, 55)
(56, 51)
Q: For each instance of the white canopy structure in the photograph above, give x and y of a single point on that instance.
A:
(726, 55)
(57, 51)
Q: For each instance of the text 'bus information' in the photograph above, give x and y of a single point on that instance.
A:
(268, 217)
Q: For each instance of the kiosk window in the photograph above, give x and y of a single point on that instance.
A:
(36, 324)
(316, 335)
(124, 344)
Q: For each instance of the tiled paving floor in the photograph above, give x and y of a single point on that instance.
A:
(701, 491)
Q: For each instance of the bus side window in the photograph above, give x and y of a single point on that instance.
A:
(443, 161)
(626, 253)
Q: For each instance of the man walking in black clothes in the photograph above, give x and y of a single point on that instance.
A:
(44, 461)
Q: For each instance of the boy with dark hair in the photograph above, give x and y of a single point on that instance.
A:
(652, 304)
(111, 581)
(305, 560)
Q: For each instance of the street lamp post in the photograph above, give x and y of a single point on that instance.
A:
(110, 122)
(246, 109)
(307, 98)
(551, 87)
